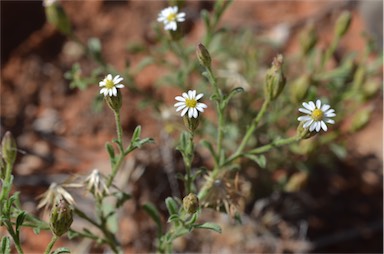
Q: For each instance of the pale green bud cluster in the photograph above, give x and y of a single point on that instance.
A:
(191, 203)
(8, 148)
(203, 56)
(275, 79)
(343, 23)
(114, 102)
(61, 217)
(57, 17)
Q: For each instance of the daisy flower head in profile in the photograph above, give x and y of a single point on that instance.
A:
(317, 115)
(110, 85)
(189, 102)
(170, 16)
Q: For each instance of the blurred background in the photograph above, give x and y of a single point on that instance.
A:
(60, 134)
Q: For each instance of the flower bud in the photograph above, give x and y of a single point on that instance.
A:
(275, 79)
(191, 203)
(299, 88)
(203, 56)
(308, 39)
(56, 16)
(8, 148)
(343, 23)
(304, 133)
(61, 217)
(191, 123)
(114, 102)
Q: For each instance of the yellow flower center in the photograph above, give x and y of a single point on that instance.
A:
(317, 114)
(109, 84)
(191, 103)
(171, 17)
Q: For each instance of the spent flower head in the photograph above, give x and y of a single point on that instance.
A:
(110, 85)
(95, 183)
(170, 16)
(317, 116)
(55, 191)
(188, 102)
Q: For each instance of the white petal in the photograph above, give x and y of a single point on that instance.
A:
(184, 111)
(179, 98)
(114, 91)
(304, 118)
(190, 112)
(180, 108)
(306, 111)
(185, 95)
(119, 86)
(106, 91)
(102, 83)
(329, 121)
(330, 114)
(200, 109)
(116, 81)
(174, 9)
(312, 105)
(103, 90)
(192, 94)
(308, 123)
(318, 104)
(324, 126)
(178, 104)
(201, 105)
(312, 127)
(199, 96)
(109, 77)
(110, 92)
(195, 114)
(325, 107)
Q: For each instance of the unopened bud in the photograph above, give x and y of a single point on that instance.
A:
(308, 38)
(57, 17)
(275, 79)
(299, 88)
(304, 133)
(114, 102)
(191, 203)
(203, 56)
(61, 217)
(343, 23)
(8, 148)
(191, 123)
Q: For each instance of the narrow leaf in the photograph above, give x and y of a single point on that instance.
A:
(208, 225)
(5, 245)
(171, 206)
(152, 211)
(61, 250)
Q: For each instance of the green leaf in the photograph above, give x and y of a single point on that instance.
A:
(171, 206)
(152, 211)
(235, 91)
(19, 221)
(136, 133)
(121, 198)
(36, 230)
(259, 159)
(209, 225)
(61, 250)
(210, 148)
(174, 217)
(110, 150)
(5, 245)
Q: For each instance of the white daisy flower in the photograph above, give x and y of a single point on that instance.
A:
(189, 102)
(170, 16)
(317, 115)
(110, 85)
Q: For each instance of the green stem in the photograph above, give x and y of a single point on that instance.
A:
(116, 166)
(251, 129)
(188, 164)
(7, 182)
(51, 243)
(331, 50)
